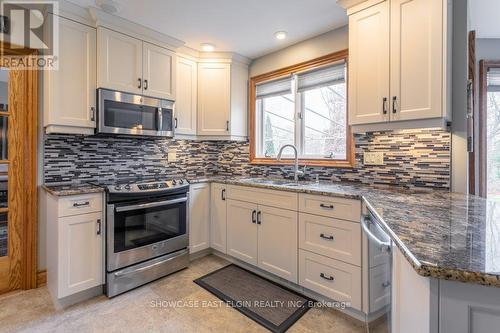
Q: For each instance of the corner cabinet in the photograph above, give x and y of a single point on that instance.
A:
(218, 212)
(70, 91)
(398, 58)
(186, 96)
(199, 217)
(131, 65)
(75, 232)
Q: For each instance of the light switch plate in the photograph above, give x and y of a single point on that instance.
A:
(172, 156)
(373, 158)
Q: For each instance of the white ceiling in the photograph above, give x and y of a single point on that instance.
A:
(484, 18)
(241, 26)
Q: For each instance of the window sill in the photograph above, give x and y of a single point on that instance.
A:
(307, 162)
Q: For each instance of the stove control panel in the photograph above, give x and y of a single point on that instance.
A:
(148, 186)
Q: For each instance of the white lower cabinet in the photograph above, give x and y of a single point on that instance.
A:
(75, 255)
(332, 278)
(199, 217)
(81, 261)
(277, 242)
(218, 212)
(242, 230)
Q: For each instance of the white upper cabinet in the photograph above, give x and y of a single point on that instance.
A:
(214, 99)
(119, 61)
(130, 65)
(69, 101)
(159, 67)
(416, 59)
(369, 65)
(186, 96)
(397, 57)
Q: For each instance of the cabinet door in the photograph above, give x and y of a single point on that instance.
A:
(241, 231)
(80, 253)
(70, 91)
(218, 221)
(369, 65)
(277, 242)
(119, 61)
(416, 59)
(186, 96)
(159, 68)
(199, 206)
(214, 98)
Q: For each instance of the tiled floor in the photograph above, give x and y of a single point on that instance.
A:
(32, 311)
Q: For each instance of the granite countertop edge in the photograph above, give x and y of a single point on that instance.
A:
(422, 268)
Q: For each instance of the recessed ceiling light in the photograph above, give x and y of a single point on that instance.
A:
(207, 47)
(280, 35)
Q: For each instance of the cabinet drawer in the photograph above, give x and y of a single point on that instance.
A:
(333, 238)
(339, 208)
(331, 278)
(273, 198)
(80, 204)
(380, 291)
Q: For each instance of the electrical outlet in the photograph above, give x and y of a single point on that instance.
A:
(374, 158)
(172, 155)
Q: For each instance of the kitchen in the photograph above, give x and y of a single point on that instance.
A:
(186, 176)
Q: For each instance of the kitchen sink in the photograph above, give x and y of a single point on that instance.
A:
(275, 181)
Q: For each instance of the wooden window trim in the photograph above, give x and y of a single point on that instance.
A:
(349, 162)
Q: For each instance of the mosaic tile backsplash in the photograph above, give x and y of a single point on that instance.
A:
(412, 159)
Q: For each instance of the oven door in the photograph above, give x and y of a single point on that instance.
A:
(141, 230)
(121, 113)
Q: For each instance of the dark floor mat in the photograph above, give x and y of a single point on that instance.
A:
(264, 301)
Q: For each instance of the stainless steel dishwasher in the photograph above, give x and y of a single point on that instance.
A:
(379, 275)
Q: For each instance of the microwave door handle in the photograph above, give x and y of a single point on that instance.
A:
(159, 119)
(150, 205)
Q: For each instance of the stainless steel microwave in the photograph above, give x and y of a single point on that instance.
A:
(128, 114)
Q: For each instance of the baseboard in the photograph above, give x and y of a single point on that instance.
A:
(41, 278)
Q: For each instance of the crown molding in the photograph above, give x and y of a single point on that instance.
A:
(116, 23)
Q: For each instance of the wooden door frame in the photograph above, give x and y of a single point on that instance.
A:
(25, 186)
(484, 66)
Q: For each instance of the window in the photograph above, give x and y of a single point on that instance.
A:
(304, 105)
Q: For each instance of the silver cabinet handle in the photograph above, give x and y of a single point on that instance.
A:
(326, 206)
(326, 237)
(92, 113)
(98, 226)
(81, 204)
(150, 205)
(329, 278)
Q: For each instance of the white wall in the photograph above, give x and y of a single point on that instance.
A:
(332, 41)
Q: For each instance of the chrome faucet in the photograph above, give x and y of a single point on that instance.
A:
(296, 171)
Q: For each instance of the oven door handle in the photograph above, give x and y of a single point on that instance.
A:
(150, 205)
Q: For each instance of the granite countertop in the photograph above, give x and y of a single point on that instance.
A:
(71, 189)
(443, 235)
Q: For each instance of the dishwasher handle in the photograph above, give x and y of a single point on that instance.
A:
(383, 245)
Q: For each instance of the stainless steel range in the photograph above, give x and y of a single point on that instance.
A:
(146, 231)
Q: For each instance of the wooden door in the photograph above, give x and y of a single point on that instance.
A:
(119, 61)
(186, 96)
(18, 195)
(159, 68)
(368, 81)
(416, 59)
(242, 231)
(218, 220)
(81, 264)
(214, 97)
(71, 90)
(199, 218)
(277, 242)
